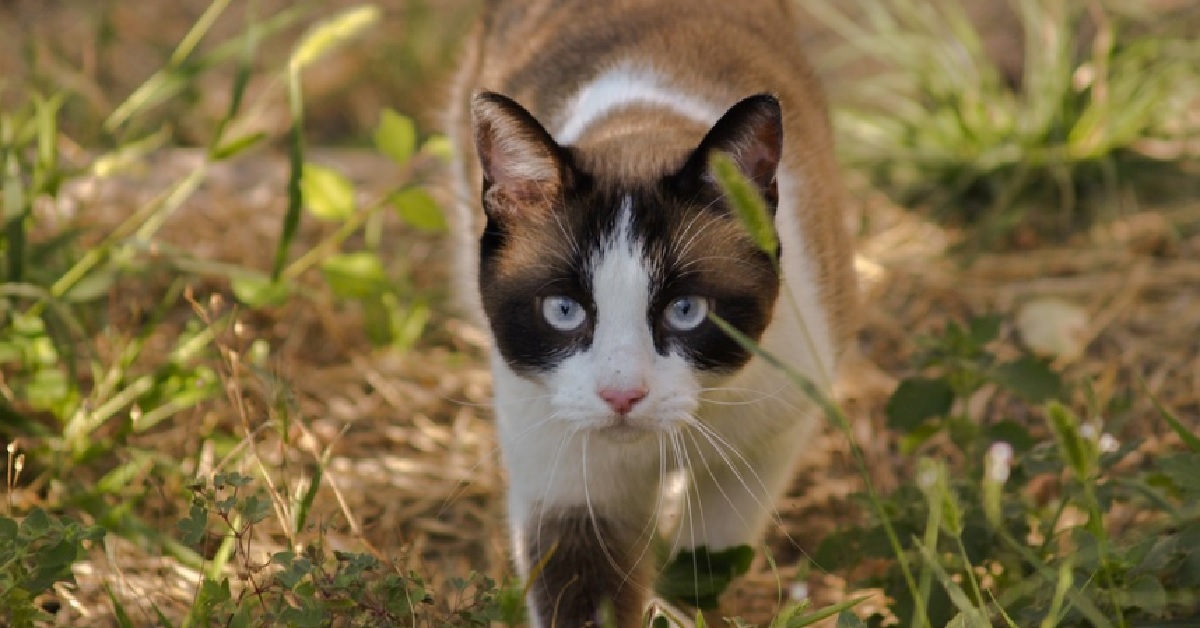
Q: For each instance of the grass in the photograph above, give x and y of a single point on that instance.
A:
(1043, 146)
(148, 410)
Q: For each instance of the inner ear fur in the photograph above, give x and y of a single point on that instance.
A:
(524, 169)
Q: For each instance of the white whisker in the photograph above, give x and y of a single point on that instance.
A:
(713, 437)
(550, 481)
(692, 517)
(717, 483)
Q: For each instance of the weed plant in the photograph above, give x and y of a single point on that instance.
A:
(73, 412)
(1045, 150)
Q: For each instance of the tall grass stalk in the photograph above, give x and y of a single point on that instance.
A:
(750, 210)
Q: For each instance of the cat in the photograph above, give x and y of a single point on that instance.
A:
(593, 243)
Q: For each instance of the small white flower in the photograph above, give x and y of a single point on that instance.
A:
(999, 461)
(1108, 443)
(928, 477)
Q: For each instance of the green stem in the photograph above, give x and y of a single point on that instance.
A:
(843, 423)
(1096, 526)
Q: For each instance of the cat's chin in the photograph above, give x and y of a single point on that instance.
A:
(624, 433)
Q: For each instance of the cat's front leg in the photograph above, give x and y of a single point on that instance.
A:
(585, 568)
(581, 519)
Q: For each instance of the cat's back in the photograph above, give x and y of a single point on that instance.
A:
(540, 52)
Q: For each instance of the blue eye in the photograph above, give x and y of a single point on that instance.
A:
(563, 313)
(686, 313)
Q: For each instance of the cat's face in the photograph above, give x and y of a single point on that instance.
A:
(601, 293)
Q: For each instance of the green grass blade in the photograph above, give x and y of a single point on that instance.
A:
(295, 201)
(1186, 435)
(16, 212)
(197, 32)
(971, 615)
(119, 614)
(824, 613)
(171, 80)
(219, 149)
(304, 506)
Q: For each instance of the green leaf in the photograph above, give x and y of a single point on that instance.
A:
(355, 275)
(748, 205)
(1030, 378)
(396, 136)
(92, 286)
(699, 577)
(8, 529)
(36, 524)
(193, 527)
(1184, 471)
(255, 508)
(1147, 592)
(47, 388)
(327, 194)
(914, 437)
(212, 594)
(257, 291)
(1013, 433)
(917, 400)
(416, 207)
(439, 146)
(984, 329)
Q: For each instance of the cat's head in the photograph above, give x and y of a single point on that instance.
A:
(600, 291)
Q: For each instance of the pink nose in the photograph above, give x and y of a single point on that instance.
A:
(622, 400)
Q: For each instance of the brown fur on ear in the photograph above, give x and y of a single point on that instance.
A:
(523, 168)
(751, 132)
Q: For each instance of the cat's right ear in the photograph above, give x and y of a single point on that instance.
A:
(524, 173)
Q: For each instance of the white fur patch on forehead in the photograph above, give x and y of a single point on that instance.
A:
(621, 287)
(623, 85)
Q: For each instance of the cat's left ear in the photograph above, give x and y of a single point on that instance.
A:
(524, 169)
(751, 132)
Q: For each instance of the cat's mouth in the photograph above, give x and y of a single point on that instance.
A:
(622, 431)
